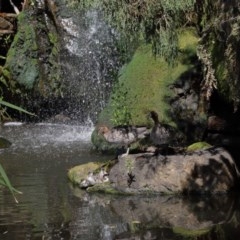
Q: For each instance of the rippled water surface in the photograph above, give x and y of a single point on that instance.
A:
(51, 208)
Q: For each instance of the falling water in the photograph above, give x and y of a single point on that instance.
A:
(90, 62)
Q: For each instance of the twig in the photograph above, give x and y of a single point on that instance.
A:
(16, 10)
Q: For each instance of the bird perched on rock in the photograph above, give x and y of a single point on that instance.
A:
(123, 135)
(161, 134)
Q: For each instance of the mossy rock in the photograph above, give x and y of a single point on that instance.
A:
(102, 145)
(22, 57)
(105, 147)
(144, 84)
(4, 143)
(103, 188)
(198, 146)
(80, 172)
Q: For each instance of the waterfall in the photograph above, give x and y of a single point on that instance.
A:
(89, 63)
(63, 62)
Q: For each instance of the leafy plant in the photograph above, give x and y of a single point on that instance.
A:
(121, 112)
(4, 181)
(157, 22)
(129, 164)
(3, 110)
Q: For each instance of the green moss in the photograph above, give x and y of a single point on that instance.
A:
(53, 38)
(136, 226)
(188, 40)
(145, 81)
(198, 146)
(28, 48)
(190, 233)
(103, 188)
(22, 57)
(101, 144)
(78, 173)
(6, 73)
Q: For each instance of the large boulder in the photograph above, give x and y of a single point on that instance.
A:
(210, 170)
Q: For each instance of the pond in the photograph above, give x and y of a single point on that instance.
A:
(51, 208)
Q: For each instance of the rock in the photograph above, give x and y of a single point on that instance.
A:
(4, 143)
(101, 144)
(78, 173)
(210, 171)
(92, 174)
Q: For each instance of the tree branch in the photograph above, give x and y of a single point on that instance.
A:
(16, 10)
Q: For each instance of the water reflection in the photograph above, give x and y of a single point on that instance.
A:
(165, 217)
(51, 208)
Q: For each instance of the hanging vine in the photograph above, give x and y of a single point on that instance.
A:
(154, 21)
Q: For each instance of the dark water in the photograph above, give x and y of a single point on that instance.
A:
(51, 208)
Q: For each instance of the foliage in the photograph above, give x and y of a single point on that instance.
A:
(158, 22)
(7, 104)
(145, 82)
(129, 164)
(4, 181)
(121, 114)
(155, 21)
(3, 109)
(218, 49)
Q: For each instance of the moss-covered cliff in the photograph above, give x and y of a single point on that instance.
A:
(149, 83)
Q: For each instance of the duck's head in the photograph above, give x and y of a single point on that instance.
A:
(154, 116)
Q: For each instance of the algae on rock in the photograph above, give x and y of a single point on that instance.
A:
(22, 58)
(32, 59)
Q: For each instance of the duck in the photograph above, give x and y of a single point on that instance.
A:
(123, 135)
(161, 134)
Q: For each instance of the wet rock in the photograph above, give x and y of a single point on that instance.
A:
(4, 143)
(206, 171)
(92, 176)
(78, 173)
(103, 146)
